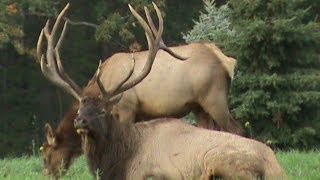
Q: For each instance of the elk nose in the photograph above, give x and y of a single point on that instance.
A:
(80, 122)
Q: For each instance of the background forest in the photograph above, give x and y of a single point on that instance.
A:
(275, 93)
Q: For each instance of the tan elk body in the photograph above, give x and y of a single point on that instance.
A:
(172, 88)
(168, 149)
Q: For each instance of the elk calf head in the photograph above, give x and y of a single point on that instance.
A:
(57, 155)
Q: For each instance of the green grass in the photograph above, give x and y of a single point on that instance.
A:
(301, 165)
(298, 166)
(30, 168)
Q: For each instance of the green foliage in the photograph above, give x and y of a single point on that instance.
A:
(273, 32)
(277, 45)
(39, 7)
(114, 26)
(10, 29)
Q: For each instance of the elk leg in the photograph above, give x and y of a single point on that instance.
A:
(216, 106)
(204, 120)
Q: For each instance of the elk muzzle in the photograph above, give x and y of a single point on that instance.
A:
(80, 124)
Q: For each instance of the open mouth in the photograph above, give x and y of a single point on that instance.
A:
(82, 131)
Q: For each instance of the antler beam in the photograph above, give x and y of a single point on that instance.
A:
(52, 67)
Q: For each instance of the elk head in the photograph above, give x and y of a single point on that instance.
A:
(90, 107)
(57, 154)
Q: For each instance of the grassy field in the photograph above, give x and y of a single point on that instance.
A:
(298, 165)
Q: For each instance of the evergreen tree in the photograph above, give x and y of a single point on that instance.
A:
(212, 24)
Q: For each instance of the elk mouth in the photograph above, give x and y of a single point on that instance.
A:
(85, 132)
(82, 131)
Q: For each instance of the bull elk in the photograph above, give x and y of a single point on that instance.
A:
(172, 89)
(53, 70)
(168, 149)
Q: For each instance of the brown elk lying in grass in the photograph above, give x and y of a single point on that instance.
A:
(172, 89)
(159, 149)
(168, 149)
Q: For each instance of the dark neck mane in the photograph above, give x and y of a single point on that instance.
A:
(110, 152)
(66, 131)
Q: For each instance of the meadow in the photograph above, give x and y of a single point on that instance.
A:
(298, 166)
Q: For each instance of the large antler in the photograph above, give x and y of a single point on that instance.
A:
(155, 43)
(53, 69)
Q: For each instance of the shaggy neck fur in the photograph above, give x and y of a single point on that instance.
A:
(65, 130)
(108, 153)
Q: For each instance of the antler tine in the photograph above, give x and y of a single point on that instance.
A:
(160, 31)
(108, 95)
(153, 28)
(53, 69)
(150, 22)
(118, 89)
(100, 84)
(142, 23)
(62, 36)
(59, 18)
(66, 77)
(39, 46)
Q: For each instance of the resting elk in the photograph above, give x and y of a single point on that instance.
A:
(167, 149)
(172, 89)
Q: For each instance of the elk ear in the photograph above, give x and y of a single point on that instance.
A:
(111, 102)
(51, 135)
